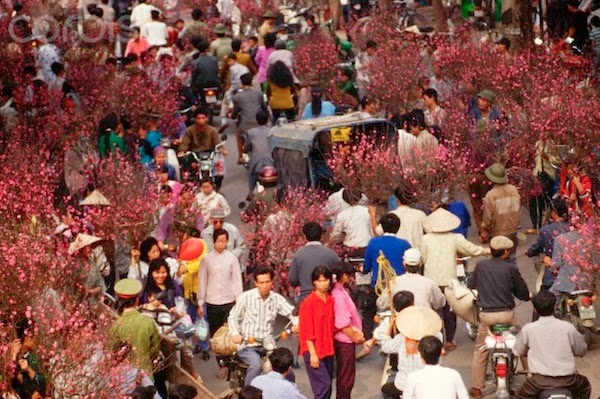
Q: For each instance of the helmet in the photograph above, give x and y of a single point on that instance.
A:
(267, 175)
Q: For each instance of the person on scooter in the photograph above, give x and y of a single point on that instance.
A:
(246, 103)
(205, 70)
(200, 137)
(551, 345)
(253, 315)
(257, 146)
(497, 281)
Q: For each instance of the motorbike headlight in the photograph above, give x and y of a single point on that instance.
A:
(269, 344)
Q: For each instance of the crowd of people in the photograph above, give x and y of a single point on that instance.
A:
(333, 308)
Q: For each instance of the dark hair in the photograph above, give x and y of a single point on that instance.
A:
(430, 349)
(155, 265)
(143, 392)
(165, 188)
(496, 253)
(559, 206)
(236, 45)
(390, 223)
(573, 3)
(183, 391)
(220, 232)
(417, 118)
(57, 68)
(351, 196)
(154, 292)
(232, 56)
(317, 100)
(155, 14)
(22, 327)
(320, 271)
(145, 247)
(312, 231)
(595, 21)
(196, 14)
(281, 359)
(280, 75)
(431, 93)
(270, 39)
(339, 268)
(206, 179)
(544, 302)
(250, 392)
(402, 300)
(402, 195)
(309, 17)
(366, 100)
(262, 118)
(202, 111)
(201, 44)
(263, 270)
(253, 38)
(135, 29)
(246, 79)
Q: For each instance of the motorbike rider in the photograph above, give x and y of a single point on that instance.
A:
(257, 146)
(246, 103)
(200, 137)
(551, 345)
(253, 316)
(497, 281)
(205, 70)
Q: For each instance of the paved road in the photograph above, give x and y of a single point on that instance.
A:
(369, 369)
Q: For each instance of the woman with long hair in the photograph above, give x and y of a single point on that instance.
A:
(281, 91)
(159, 278)
(141, 259)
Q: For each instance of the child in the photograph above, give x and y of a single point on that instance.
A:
(155, 307)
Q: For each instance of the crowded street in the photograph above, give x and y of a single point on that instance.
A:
(345, 198)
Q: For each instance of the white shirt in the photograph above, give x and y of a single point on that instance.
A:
(434, 382)
(352, 226)
(207, 203)
(140, 14)
(426, 291)
(411, 225)
(335, 203)
(438, 252)
(155, 32)
(406, 143)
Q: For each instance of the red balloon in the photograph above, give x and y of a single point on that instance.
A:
(192, 249)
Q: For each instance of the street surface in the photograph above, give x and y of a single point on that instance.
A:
(369, 369)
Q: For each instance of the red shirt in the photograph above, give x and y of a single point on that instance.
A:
(316, 324)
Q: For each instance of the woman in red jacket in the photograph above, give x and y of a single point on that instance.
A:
(316, 334)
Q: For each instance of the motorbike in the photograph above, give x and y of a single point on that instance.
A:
(236, 368)
(578, 308)
(211, 99)
(205, 164)
(503, 362)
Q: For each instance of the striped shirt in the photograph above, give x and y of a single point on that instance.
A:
(595, 36)
(253, 316)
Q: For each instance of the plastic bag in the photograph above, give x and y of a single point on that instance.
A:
(201, 329)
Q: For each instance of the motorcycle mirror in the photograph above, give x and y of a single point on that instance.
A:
(242, 205)
(223, 137)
